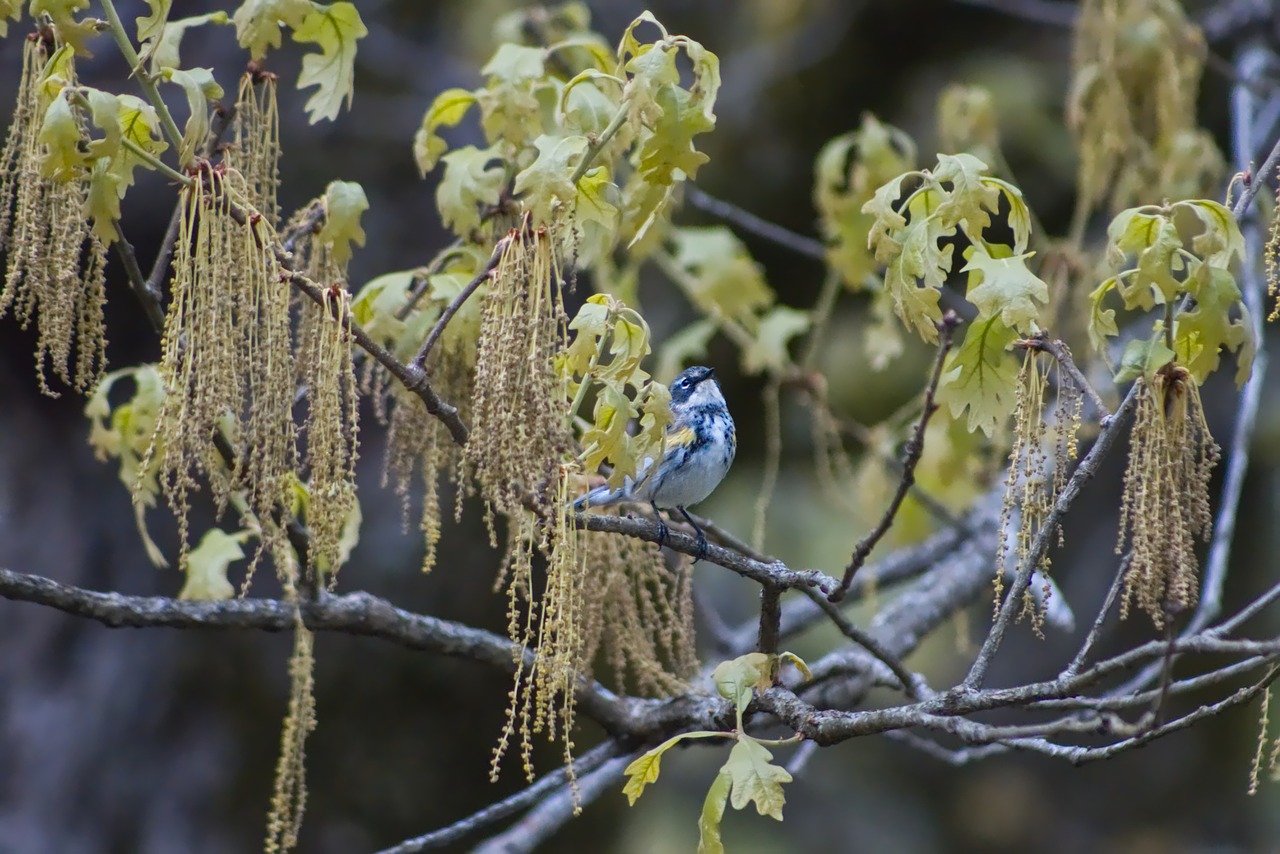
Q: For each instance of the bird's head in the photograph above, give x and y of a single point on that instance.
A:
(695, 387)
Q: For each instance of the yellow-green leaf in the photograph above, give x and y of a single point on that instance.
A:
(344, 203)
(469, 180)
(1142, 358)
(734, 679)
(207, 565)
(258, 22)
(544, 185)
(60, 134)
(980, 377)
(709, 841)
(62, 13)
(768, 350)
(58, 73)
(1201, 334)
(335, 28)
(644, 769)
(9, 10)
(447, 110)
(1102, 321)
(198, 85)
(124, 433)
(102, 202)
(167, 50)
(755, 778)
(150, 26)
(1005, 287)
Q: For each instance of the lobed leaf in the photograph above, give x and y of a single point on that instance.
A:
(207, 565)
(1004, 286)
(469, 180)
(335, 29)
(198, 85)
(344, 204)
(258, 22)
(447, 110)
(979, 377)
(755, 778)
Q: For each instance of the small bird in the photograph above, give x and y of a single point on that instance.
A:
(700, 445)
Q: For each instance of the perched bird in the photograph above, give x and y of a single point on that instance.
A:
(700, 445)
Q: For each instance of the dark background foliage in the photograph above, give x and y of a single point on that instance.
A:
(160, 741)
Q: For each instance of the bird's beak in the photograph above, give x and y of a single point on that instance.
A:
(711, 372)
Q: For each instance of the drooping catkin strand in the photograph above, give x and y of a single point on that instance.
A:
(55, 275)
(1165, 505)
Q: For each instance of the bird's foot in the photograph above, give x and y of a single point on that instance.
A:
(702, 545)
(662, 532)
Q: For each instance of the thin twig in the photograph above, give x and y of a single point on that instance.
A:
(1062, 354)
(493, 813)
(912, 685)
(1048, 532)
(911, 457)
(552, 814)
(770, 618)
(1095, 632)
(304, 225)
(752, 224)
(420, 360)
(141, 288)
(1256, 182)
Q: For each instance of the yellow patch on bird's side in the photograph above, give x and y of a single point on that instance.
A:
(681, 438)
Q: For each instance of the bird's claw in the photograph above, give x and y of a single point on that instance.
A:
(662, 532)
(702, 546)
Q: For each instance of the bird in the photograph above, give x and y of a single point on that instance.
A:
(700, 445)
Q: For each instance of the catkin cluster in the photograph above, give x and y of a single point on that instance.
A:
(56, 269)
(1166, 495)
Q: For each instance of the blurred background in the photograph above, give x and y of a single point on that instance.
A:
(163, 741)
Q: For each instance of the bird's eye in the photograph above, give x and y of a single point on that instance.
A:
(684, 383)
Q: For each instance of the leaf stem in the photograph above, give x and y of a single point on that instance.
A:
(156, 163)
(145, 80)
(597, 145)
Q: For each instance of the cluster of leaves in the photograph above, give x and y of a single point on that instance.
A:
(915, 238)
(847, 172)
(576, 132)
(748, 775)
(611, 341)
(1182, 251)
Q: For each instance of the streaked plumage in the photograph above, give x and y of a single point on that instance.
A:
(700, 445)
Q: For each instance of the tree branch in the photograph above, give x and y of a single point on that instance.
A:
(420, 360)
(1047, 533)
(752, 224)
(911, 457)
(1062, 354)
(550, 783)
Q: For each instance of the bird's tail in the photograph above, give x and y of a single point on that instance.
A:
(601, 496)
